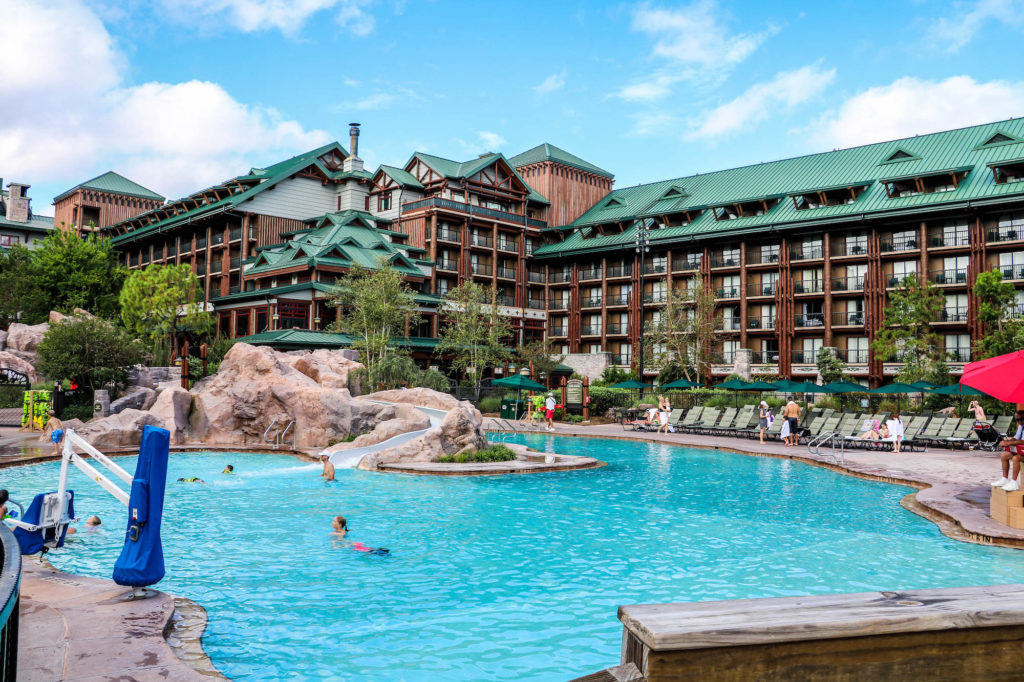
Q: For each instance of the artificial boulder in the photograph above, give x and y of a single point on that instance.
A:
(118, 431)
(424, 397)
(460, 431)
(23, 339)
(9, 360)
(140, 398)
(172, 407)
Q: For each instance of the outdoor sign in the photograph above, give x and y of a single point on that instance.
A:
(574, 393)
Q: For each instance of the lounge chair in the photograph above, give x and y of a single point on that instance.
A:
(930, 432)
(962, 435)
(775, 430)
(692, 418)
(1004, 425)
(725, 422)
(911, 432)
(745, 421)
(708, 419)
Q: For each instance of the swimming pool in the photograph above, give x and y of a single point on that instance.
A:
(509, 577)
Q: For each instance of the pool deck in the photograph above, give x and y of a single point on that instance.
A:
(83, 629)
(953, 485)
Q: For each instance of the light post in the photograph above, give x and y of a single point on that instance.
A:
(643, 246)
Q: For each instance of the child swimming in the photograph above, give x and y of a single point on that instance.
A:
(191, 479)
(340, 528)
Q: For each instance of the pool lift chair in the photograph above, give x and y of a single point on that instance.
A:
(43, 526)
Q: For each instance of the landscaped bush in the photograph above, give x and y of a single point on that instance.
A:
(495, 453)
(602, 398)
(83, 412)
(11, 396)
(490, 403)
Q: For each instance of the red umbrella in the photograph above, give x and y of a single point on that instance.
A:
(1002, 377)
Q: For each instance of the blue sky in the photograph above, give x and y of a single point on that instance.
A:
(179, 94)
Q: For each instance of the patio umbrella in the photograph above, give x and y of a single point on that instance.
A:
(811, 387)
(1001, 377)
(895, 388)
(924, 385)
(762, 386)
(956, 389)
(788, 385)
(520, 383)
(734, 385)
(845, 387)
(632, 384)
(682, 383)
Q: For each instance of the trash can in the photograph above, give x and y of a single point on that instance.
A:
(511, 409)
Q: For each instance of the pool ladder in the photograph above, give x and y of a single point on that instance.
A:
(279, 439)
(838, 453)
(500, 429)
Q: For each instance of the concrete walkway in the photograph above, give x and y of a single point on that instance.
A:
(83, 629)
(954, 484)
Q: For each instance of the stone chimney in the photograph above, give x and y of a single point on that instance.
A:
(353, 138)
(353, 192)
(17, 202)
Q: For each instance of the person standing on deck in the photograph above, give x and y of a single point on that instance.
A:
(549, 411)
(792, 414)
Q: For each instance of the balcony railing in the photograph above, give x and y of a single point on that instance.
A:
(954, 276)
(957, 314)
(685, 264)
(172, 250)
(537, 277)
(234, 289)
(727, 323)
(437, 202)
(959, 354)
(558, 331)
(530, 248)
(481, 269)
(853, 356)
(805, 253)
(761, 288)
(1005, 234)
(592, 302)
(505, 299)
(840, 248)
(655, 296)
(449, 236)
(235, 234)
(217, 238)
(848, 283)
(558, 277)
(805, 357)
(591, 330)
(721, 261)
(448, 265)
(727, 292)
(767, 357)
(808, 286)
(483, 240)
(558, 303)
(201, 269)
(215, 266)
(622, 359)
(723, 358)
(617, 299)
(1012, 271)
(655, 268)
(956, 238)
(507, 273)
(1015, 312)
(760, 322)
(536, 304)
(200, 243)
(899, 244)
(845, 318)
(809, 320)
(757, 257)
(617, 329)
(508, 245)
(235, 263)
(591, 273)
(618, 271)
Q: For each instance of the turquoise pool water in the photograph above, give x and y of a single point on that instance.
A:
(510, 577)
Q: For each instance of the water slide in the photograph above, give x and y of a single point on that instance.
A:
(349, 459)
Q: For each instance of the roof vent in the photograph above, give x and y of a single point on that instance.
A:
(353, 137)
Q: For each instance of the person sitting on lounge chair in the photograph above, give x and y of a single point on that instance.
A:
(1014, 450)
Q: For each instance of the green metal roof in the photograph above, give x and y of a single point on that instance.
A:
(320, 287)
(956, 149)
(458, 170)
(114, 184)
(305, 338)
(401, 176)
(36, 223)
(549, 152)
(344, 239)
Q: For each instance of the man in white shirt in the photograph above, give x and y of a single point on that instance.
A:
(549, 411)
(1014, 449)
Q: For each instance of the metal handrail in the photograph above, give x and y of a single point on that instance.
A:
(265, 439)
(837, 455)
(281, 436)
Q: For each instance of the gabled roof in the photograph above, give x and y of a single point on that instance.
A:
(549, 152)
(294, 339)
(41, 224)
(113, 183)
(864, 166)
(459, 170)
(401, 176)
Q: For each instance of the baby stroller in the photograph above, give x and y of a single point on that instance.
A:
(988, 437)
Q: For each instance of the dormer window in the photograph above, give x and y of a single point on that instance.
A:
(998, 139)
(1007, 171)
(744, 209)
(925, 183)
(832, 196)
(900, 155)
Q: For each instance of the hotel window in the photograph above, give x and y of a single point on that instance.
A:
(770, 253)
(951, 233)
(856, 244)
(594, 348)
(1012, 264)
(857, 349)
(958, 347)
(955, 269)
(9, 239)
(1011, 171)
(900, 270)
(810, 350)
(955, 309)
(384, 202)
(901, 241)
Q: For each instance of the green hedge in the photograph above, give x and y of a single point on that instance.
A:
(495, 453)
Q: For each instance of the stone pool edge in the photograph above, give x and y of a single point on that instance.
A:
(958, 520)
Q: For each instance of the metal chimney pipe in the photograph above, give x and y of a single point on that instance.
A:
(353, 137)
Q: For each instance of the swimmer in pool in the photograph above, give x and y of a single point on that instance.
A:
(93, 521)
(191, 479)
(328, 472)
(340, 529)
(229, 469)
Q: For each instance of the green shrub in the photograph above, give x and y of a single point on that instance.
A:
(603, 398)
(11, 396)
(83, 412)
(495, 453)
(574, 418)
(490, 403)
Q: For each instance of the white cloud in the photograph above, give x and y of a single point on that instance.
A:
(785, 91)
(950, 33)
(910, 106)
(73, 116)
(286, 16)
(486, 141)
(555, 81)
(692, 43)
(378, 100)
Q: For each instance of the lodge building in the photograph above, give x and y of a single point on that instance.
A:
(801, 253)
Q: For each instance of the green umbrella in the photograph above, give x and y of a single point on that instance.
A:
(895, 388)
(735, 385)
(762, 386)
(811, 387)
(845, 387)
(956, 389)
(785, 385)
(520, 383)
(924, 385)
(632, 383)
(682, 383)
